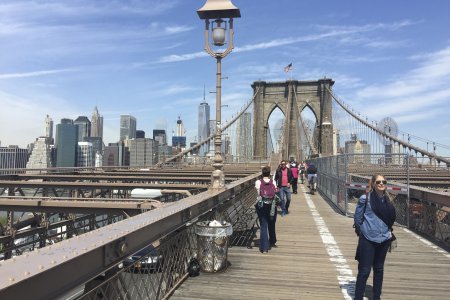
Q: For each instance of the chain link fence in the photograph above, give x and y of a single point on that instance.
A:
(419, 189)
(156, 271)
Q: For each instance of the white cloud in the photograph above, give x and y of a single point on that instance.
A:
(176, 89)
(182, 57)
(419, 116)
(332, 32)
(420, 94)
(370, 26)
(406, 107)
(38, 10)
(432, 73)
(35, 73)
(346, 81)
(177, 29)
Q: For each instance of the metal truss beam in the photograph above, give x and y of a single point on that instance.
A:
(41, 273)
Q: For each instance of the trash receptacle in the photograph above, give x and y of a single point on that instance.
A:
(212, 241)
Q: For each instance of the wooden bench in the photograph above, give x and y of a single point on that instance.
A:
(242, 215)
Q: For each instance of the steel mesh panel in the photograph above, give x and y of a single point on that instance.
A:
(174, 253)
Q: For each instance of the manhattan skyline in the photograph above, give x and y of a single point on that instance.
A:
(146, 58)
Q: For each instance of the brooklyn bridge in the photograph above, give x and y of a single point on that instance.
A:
(142, 233)
(70, 232)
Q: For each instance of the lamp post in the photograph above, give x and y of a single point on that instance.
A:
(218, 10)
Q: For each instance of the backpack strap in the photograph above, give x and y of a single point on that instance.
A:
(365, 205)
(261, 182)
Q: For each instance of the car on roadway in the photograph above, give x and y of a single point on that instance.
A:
(148, 259)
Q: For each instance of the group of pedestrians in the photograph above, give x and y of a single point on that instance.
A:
(270, 190)
(374, 217)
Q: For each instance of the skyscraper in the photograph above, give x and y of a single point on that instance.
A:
(140, 134)
(85, 155)
(113, 154)
(160, 136)
(12, 157)
(40, 157)
(127, 127)
(203, 126)
(143, 152)
(97, 144)
(97, 124)
(66, 143)
(356, 146)
(179, 139)
(49, 127)
(180, 127)
(84, 127)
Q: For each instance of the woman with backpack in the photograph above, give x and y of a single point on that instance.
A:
(266, 210)
(374, 217)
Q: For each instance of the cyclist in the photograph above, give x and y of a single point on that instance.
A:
(302, 171)
(312, 175)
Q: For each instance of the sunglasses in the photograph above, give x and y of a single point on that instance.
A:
(381, 182)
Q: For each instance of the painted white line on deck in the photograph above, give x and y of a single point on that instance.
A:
(345, 276)
(428, 243)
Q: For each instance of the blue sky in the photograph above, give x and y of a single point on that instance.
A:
(146, 58)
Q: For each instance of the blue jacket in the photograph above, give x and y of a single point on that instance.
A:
(372, 227)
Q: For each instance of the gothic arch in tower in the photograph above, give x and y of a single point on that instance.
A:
(291, 97)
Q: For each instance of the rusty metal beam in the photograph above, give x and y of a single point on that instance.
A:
(99, 185)
(83, 257)
(75, 205)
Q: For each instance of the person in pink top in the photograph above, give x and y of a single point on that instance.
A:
(284, 179)
(294, 170)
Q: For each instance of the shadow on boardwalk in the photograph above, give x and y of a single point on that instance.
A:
(315, 260)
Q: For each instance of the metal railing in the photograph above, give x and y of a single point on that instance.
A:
(100, 264)
(420, 194)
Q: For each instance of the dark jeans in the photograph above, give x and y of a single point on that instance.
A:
(267, 235)
(370, 255)
(294, 185)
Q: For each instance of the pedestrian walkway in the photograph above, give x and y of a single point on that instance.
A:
(315, 260)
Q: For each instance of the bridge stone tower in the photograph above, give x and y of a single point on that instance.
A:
(291, 97)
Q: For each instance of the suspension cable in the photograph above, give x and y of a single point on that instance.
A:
(388, 136)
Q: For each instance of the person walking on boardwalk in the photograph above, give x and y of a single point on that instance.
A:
(294, 170)
(266, 210)
(284, 178)
(373, 218)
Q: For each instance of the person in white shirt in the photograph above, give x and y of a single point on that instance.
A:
(267, 215)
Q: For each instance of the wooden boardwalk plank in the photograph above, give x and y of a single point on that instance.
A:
(300, 267)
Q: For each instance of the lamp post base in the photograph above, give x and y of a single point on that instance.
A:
(217, 180)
